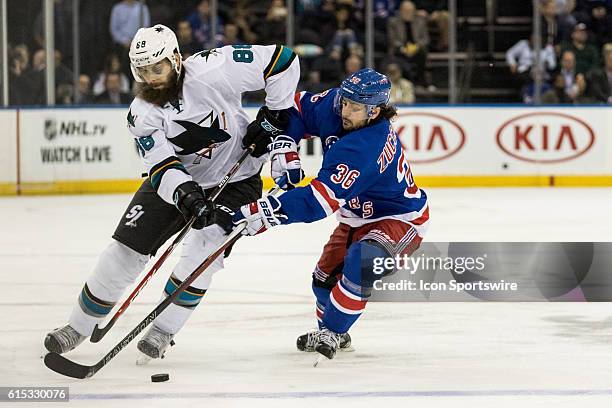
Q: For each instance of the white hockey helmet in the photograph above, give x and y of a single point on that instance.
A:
(151, 45)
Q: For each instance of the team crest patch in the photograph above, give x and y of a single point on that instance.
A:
(200, 140)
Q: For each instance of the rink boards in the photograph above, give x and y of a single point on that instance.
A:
(86, 150)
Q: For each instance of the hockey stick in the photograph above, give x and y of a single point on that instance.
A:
(69, 368)
(98, 333)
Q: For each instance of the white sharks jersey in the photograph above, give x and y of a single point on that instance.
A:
(199, 136)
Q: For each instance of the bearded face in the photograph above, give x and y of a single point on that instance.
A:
(160, 94)
(160, 82)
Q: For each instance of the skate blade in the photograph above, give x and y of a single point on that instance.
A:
(320, 358)
(348, 349)
(143, 359)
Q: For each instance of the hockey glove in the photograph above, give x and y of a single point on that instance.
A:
(285, 160)
(189, 199)
(261, 131)
(260, 215)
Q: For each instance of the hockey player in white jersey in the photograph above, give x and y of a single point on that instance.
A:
(190, 128)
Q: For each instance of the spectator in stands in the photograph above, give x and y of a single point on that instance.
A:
(600, 80)
(584, 9)
(19, 61)
(62, 27)
(352, 64)
(84, 95)
(22, 57)
(600, 23)
(184, 35)
(64, 94)
(63, 74)
(38, 60)
(575, 83)
(436, 13)
(344, 42)
(564, 9)
(230, 35)
(113, 94)
(200, 24)
(586, 54)
(408, 39)
(274, 28)
(113, 65)
(402, 90)
(557, 94)
(528, 92)
(555, 28)
(520, 59)
(126, 18)
(36, 77)
(17, 78)
(245, 19)
(383, 10)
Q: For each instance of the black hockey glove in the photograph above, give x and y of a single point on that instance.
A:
(189, 199)
(268, 125)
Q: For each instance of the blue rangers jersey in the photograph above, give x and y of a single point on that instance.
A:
(365, 175)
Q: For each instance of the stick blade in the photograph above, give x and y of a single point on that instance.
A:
(98, 333)
(62, 365)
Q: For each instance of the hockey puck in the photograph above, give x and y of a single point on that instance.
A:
(160, 377)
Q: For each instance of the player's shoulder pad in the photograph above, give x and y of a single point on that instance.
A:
(144, 118)
(204, 64)
(325, 98)
(318, 107)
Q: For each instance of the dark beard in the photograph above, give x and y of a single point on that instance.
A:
(160, 97)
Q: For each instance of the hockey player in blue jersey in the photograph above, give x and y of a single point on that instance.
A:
(365, 179)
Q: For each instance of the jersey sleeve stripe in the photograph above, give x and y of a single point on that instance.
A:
(156, 173)
(298, 101)
(325, 197)
(280, 61)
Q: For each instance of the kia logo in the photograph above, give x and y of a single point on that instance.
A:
(545, 137)
(429, 137)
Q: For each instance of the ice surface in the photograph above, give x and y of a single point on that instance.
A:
(239, 347)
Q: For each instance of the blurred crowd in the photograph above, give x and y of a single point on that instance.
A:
(329, 39)
(576, 56)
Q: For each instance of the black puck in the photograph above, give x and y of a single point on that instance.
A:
(160, 377)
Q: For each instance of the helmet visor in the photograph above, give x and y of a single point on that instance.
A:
(154, 69)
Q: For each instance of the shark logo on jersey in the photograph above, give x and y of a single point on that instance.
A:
(200, 140)
(131, 119)
(176, 104)
(207, 53)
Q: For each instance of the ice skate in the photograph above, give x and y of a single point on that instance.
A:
(63, 339)
(327, 344)
(153, 345)
(306, 342)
